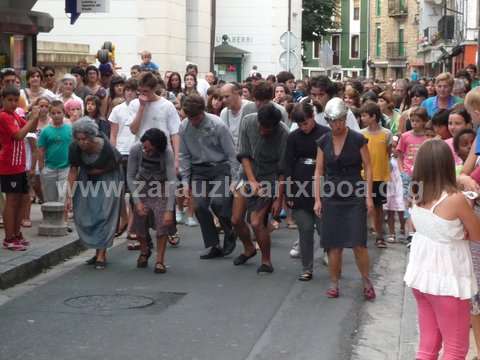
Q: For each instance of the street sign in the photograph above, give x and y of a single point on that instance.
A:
(93, 6)
(288, 40)
(288, 60)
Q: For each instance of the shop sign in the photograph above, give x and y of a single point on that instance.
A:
(93, 6)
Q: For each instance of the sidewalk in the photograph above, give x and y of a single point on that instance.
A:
(43, 253)
(388, 328)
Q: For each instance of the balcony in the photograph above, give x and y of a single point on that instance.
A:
(430, 35)
(397, 8)
(396, 51)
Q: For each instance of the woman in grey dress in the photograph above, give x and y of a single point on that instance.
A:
(342, 197)
(96, 184)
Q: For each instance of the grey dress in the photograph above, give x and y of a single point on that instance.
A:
(344, 218)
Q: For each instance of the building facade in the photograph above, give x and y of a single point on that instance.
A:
(176, 32)
(256, 27)
(393, 38)
(343, 52)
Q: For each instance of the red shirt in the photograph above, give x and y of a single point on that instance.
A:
(12, 152)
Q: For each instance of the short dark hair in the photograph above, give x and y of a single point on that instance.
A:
(57, 103)
(148, 80)
(92, 68)
(419, 90)
(98, 104)
(459, 109)
(372, 109)
(7, 72)
(456, 138)
(262, 91)
(48, 68)
(301, 112)
(441, 118)
(34, 70)
(10, 91)
(156, 137)
(77, 70)
(284, 76)
(269, 116)
(191, 67)
(136, 67)
(324, 83)
(357, 85)
(193, 105)
(116, 79)
(131, 84)
(369, 96)
(271, 78)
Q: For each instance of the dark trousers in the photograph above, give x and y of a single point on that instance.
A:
(213, 196)
(307, 221)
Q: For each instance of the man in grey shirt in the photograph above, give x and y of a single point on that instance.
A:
(207, 156)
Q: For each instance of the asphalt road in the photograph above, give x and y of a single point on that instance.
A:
(199, 309)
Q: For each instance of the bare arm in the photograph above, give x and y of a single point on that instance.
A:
(368, 174)
(113, 133)
(175, 139)
(318, 179)
(34, 152)
(137, 120)
(41, 158)
(467, 216)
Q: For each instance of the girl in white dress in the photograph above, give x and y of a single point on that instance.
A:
(440, 269)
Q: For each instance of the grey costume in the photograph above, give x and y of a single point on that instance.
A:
(207, 158)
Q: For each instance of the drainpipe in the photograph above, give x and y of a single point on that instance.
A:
(213, 26)
(367, 70)
(478, 36)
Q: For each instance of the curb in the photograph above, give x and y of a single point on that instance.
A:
(34, 262)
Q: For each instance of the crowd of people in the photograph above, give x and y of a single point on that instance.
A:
(338, 158)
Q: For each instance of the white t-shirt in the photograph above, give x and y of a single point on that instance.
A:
(233, 120)
(202, 87)
(28, 150)
(122, 115)
(160, 114)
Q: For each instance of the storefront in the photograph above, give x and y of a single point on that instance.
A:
(229, 61)
(18, 37)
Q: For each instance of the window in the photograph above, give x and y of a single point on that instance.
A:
(378, 42)
(378, 7)
(336, 49)
(401, 42)
(316, 48)
(356, 9)
(354, 46)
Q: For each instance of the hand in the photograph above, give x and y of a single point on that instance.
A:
(168, 218)
(468, 183)
(187, 192)
(177, 166)
(143, 100)
(140, 209)
(370, 206)
(256, 188)
(31, 173)
(290, 204)
(276, 207)
(317, 208)
(35, 112)
(68, 204)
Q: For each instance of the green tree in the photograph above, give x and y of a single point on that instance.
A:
(317, 17)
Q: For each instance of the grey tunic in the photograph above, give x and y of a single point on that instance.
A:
(209, 143)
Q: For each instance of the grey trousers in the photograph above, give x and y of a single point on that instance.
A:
(307, 221)
(213, 196)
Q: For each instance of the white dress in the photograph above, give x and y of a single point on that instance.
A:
(440, 261)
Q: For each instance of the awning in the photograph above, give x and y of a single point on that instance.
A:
(225, 50)
(24, 22)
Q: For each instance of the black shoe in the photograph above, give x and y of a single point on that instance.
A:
(229, 244)
(242, 258)
(265, 269)
(92, 260)
(214, 252)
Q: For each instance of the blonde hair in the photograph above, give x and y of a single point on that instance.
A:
(446, 76)
(472, 100)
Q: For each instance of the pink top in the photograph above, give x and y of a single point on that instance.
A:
(408, 146)
(458, 161)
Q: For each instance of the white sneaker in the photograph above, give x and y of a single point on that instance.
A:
(191, 222)
(179, 217)
(295, 251)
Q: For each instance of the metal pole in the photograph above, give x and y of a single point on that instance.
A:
(478, 36)
(288, 37)
(213, 25)
(289, 15)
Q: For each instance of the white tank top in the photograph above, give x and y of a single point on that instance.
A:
(440, 261)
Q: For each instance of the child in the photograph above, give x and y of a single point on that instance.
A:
(387, 106)
(462, 143)
(407, 149)
(440, 268)
(93, 105)
(440, 124)
(379, 147)
(395, 203)
(458, 120)
(73, 110)
(147, 63)
(13, 177)
(53, 146)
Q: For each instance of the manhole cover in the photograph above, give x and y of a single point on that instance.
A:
(109, 302)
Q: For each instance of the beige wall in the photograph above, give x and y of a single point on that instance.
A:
(198, 33)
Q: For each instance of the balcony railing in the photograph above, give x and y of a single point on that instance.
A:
(396, 50)
(397, 8)
(431, 35)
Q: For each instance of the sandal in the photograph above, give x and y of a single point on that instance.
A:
(159, 268)
(369, 292)
(121, 231)
(133, 245)
(333, 293)
(92, 260)
(174, 240)
(306, 276)
(132, 236)
(142, 261)
(391, 239)
(380, 243)
(100, 265)
(26, 223)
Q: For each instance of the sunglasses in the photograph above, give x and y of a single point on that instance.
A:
(49, 75)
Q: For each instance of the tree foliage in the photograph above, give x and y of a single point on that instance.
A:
(317, 17)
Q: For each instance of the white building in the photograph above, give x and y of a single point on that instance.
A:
(256, 26)
(175, 31)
